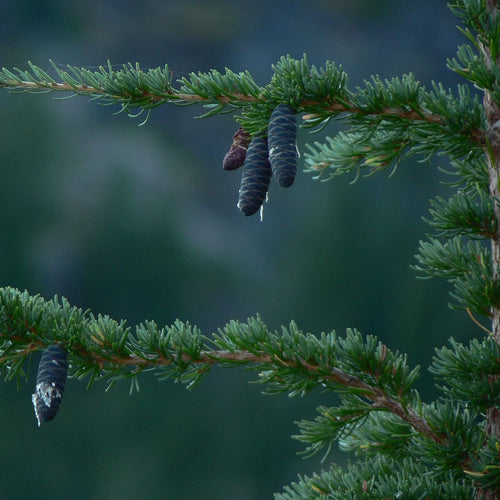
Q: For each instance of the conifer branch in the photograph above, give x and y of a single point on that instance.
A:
(287, 362)
(293, 81)
(225, 96)
(140, 96)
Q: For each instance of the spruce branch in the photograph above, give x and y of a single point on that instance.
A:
(463, 215)
(396, 119)
(375, 478)
(293, 362)
(470, 373)
(467, 266)
(320, 92)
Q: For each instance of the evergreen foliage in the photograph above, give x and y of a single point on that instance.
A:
(403, 446)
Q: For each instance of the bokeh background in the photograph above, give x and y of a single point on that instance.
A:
(141, 223)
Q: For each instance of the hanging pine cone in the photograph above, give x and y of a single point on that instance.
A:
(255, 178)
(237, 152)
(50, 382)
(282, 139)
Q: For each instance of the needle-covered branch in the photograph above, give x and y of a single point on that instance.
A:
(378, 477)
(370, 378)
(322, 93)
(290, 361)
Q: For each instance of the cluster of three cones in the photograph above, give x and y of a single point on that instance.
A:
(275, 155)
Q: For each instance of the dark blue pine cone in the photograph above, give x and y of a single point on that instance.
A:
(237, 152)
(50, 382)
(282, 139)
(256, 177)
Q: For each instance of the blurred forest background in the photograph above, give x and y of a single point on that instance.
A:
(141, 223)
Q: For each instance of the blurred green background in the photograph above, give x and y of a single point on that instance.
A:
(141, 223)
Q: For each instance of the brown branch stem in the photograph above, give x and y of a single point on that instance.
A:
(32, 347)
(230, 97)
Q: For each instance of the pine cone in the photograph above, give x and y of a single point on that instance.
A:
(255, 178)
(50, 382)
(236, 155)
(282, 138)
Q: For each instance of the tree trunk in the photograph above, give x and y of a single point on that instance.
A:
(492, 152)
